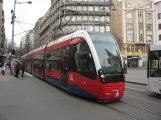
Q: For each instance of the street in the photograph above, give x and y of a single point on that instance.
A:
(30, 98)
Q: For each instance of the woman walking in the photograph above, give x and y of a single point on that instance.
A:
(3, 69)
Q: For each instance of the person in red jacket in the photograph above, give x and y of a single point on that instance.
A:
(14, 68)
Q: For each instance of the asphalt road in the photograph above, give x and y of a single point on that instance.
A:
(29, 98)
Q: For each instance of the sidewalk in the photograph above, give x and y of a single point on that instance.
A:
(136, 76)
(7, 76)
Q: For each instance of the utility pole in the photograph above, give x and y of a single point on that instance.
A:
(12, 44)
(13, 25)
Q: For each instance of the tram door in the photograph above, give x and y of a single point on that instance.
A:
(64, 77)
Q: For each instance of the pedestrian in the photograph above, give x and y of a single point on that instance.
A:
(3, 69)
(23, 69)
(17, 69)
(14, 69)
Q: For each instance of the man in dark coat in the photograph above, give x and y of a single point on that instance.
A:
(23, 68)
(17, 69)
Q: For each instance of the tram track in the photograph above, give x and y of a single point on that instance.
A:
(122, 113)
(130, 115)
(142, 108)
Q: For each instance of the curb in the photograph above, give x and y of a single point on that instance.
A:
(136, 83)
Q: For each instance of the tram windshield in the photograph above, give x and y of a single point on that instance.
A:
(108, 53)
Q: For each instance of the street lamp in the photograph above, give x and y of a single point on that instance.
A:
(13, 21)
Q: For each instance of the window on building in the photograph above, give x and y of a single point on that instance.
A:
(147, 48)
(159, 15)
(143, 49)
(128, 5)
(129, 15)
(90, 8)
(85, 8)
(102, 18)
(159, 26)
(136, 48)
(91, 18)
(140, 13)
(97, 28)
(102, 29)
(141, 25)
(149, 38)
(79, 18)
(148, 16)
(96, 8)
(160, 37)
(108, 29)
(96, 18)
(85, 18)
(79, 8)
(132, 48)
(73, 20)
(129, 27)
(148, 27)
(141, 37)
(90, 28)
(128, 48)
(130, 38)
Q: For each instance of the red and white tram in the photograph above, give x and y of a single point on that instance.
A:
(83, 63)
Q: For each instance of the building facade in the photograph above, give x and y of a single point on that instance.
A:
(133, 23)
(45, 28)
(157, 4)
(29, 41)
(71, 15)
(2, 33)
(36, 34)
(22, 46)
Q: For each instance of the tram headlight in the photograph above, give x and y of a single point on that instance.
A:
(102, 76)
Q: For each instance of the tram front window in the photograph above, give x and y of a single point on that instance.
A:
(108, 53)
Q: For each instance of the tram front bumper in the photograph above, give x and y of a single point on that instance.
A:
(111, 93)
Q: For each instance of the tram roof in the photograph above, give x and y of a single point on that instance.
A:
(155, 47)
(40, 48)
(78, 33)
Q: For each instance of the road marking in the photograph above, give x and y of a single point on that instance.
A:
(136, 89)
(28, 74)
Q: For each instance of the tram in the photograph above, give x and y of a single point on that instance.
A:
(154, 69)
(83, 63)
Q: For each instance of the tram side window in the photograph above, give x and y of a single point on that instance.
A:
(84, 61)
(53, 60)
(155, 64)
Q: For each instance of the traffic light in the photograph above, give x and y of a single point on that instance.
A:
(13, 52)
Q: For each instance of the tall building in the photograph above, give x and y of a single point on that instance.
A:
(22, 46)
(133, 23)
(29, 41)
(45, 29)
(2, 33)
(36, 34)
(71, 15)
(157, 4)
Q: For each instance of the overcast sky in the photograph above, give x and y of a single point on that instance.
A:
(28, 13)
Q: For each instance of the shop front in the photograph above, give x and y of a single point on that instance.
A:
(132, 61)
